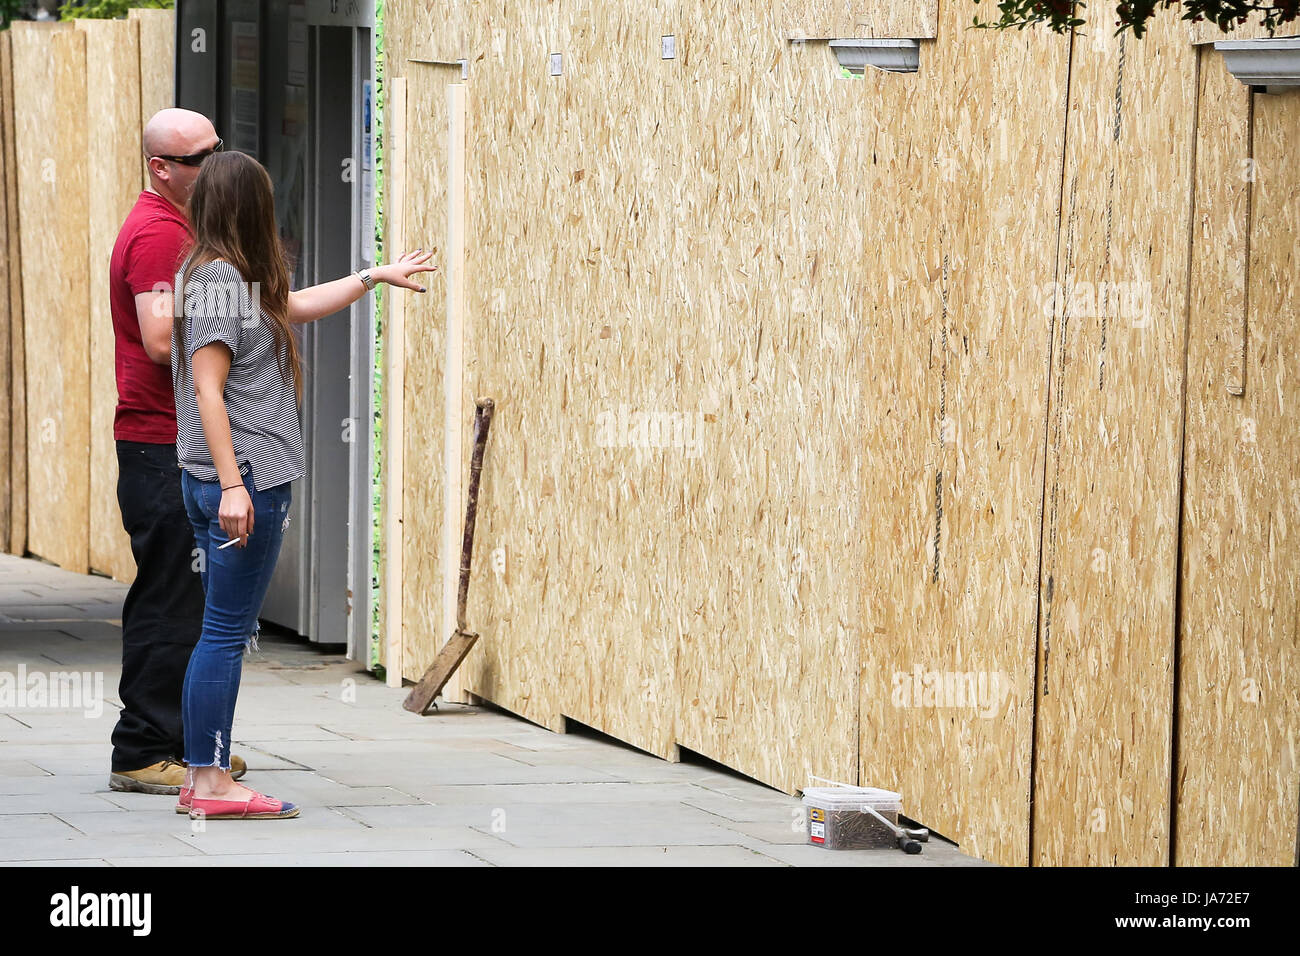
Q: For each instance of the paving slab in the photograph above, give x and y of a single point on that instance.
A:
(366, 858)
(11, 770)
(35, 825)
(629, 856)
(935, 853)
(506, 818)
(303, 835)
(144, 861)
(66, 801)
(83, 847)
(618, 831)
(161, 818)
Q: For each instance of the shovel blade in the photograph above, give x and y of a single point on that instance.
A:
(439, 672)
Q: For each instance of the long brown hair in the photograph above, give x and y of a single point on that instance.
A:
(232, 211)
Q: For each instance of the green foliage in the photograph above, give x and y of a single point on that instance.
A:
(107, 9)
(10, 10)
(1061, 16)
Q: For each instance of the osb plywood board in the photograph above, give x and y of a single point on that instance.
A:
(16, 490)
(850, 282)
(764, 186)
(1239, 666)
(431, 30)
(526, 566)
(49, 65)
(1105, 688)
(394, 428)
(157, 32)
(424, 343)
(1252, 29)
(956, 378)
(113, 121)
(8, 269)
(622, 312)
(900, 19)
(614, 352)
(453, 268)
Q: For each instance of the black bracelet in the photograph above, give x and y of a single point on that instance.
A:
(227, 488)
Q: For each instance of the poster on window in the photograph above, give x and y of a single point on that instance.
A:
(367, 173)
(243, 87)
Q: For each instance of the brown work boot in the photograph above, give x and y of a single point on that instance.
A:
(163, 777)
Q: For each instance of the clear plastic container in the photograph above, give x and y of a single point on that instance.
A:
(837, 820)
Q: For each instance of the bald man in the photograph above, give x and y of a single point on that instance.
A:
(162, 616)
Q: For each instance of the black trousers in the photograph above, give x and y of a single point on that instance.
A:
(162, 616)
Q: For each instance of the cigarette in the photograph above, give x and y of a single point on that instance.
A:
(222, 547)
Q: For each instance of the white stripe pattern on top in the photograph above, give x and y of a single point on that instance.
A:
(260, 401)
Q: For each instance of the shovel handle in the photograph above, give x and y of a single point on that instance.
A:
(483, 409)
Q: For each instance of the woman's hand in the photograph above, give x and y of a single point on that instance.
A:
(398, 273)
(236, 514)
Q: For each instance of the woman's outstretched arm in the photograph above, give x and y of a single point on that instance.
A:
(318, 301)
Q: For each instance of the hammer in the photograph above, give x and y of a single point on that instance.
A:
(909, 841)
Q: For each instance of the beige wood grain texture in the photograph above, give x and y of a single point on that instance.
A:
(7, 268)
(1236, 318)
(454, 463)
(767, 212)
(614, 338)
(394, 388)
(1105, 689)
(519, 163)
(604, 290)
(1239, 703)
(49, 64)
(961, 243)
(425, 217)
(1252, 29)
(433, 30)
(16, 492)
(847, 280)
(157, 32)
(112, 120)
(827, 19)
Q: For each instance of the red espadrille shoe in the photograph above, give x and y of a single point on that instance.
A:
(237, 769)
(257, 807)
(187, 792)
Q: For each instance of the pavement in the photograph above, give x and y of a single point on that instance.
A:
(468, 786)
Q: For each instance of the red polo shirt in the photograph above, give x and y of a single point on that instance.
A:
(149, 249)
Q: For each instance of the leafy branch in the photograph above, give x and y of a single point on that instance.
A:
(1062, 16)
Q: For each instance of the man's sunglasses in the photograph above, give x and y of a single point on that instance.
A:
(194, 159)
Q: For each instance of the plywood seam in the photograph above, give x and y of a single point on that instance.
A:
(454, 371)
(1180, 497)
(1250, 195)
(17, 542)
(1047, 429)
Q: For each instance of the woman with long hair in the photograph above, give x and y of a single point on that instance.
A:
(238, 381)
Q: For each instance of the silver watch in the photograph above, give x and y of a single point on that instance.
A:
(366, 279)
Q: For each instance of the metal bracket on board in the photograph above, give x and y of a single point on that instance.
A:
(892, 56)
(1269, 65)
(462, 63)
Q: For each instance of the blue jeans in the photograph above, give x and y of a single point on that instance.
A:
(234, 583)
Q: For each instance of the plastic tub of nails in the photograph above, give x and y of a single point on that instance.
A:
(837, 817)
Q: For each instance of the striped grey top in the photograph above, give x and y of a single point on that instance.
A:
(260, 400)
